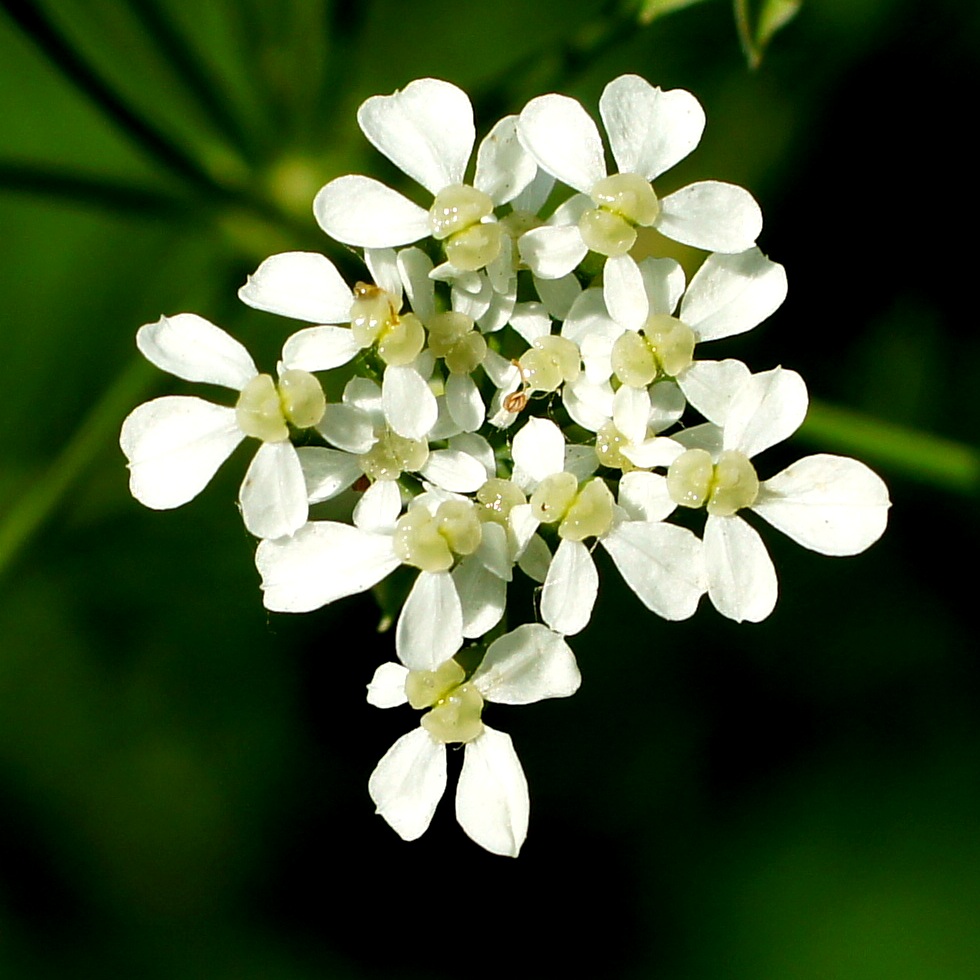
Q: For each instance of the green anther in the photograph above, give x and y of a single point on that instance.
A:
(608, 443)
(456, 208)
(606, 233)
(370, 313)
(591, 513)
(456, 717)
(425, 687)
(633, 362)
(402, 340)
(302, 398)
(736, 484)
(628, 195)
(393, 455)
(460, 526)
(499, 497)
(689, 478)
(259, 410)
(553, 497)
(474, 247)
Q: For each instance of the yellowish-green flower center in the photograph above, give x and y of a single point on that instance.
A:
(456, 707)
(375, 320)
(622, 202)
(608, 447)
(580, 514)
(499, 498)
(432, 541)
(452, 336)
(722, 487)
(265, 409)
(393, 455)
(457, 218)
(549, 362)
(664, 346)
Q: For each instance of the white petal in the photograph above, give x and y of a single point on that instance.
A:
(453, 470)
(358, 210)
(570, 589)
(379, 507)
(430, 627)
(830, 504)
(302, 285)
(624, 291)
(538, 450)
(535, 559)
(710, 386)
(531, 321)
(767, 409)
(590, 405)
(528, 664)
(663, 280)
(320, 348)
(322, 562)
(730, 294)
(387, 687)
(273, 493)
(414, 267)
(464, 402)
(631, 409)
(482, 596)
(426, 129)
(741, 577)
(174, 446)
(711, 215)
(477, 447)
(348, 428)
(649, 130)
(327, 472)
(558, 295)
(501, 307)
(472, 295)
(644, 496)
(492, 803)
(533, 196)
(409, 405)
(661, 563)
(658, 451)
(552, 252)
(564, 140)
(192, 348)
(706, 436)
(407, 784)
(667, 404)
(382, 266)
(503, 166)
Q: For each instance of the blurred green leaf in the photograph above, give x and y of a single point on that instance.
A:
(772, 15)
(650, 10)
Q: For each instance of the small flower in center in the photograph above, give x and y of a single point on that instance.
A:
(457, 218)
(722, 487)
(265, 409)
(622, 201)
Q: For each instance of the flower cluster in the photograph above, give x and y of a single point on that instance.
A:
(518, 386)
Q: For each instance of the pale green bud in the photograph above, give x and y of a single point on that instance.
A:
(456, 208)
(608, 445)
(370, 313)
(259, 410)
(499, 498)
(303, 401)
(689, 478)
(606, 233)
(628, 195)
(672, 342)
(393, 455)
(590, 514)
(633, 362)
(550, 362)
(553, 496)
(474, 247)
(456, 717)
(459, 525)
(402, 340)
(736, 484)
(417, 542)
(425, 687)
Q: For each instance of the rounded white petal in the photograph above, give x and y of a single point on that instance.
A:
(322, 562)
(649, 130)
(730, 294)
(625, 293)
(174, 446)
(588, 404)
(711, 386)
(558, 295)
(830, 504)
(430, 627)
(644, 496)
(382, 265)
(564, 140)
(538, 450)
(711, 215)
(570, 589)
(414, 267)
(531, 321)
(661, 563)
(492, 802)
(425, 129)
(273, 493)
(464, 402)
(664, 281)
(477, 447)
(528, 664)
(192, 348)
(407, 784)
(319, 348)
(387, 687)
(347, 428)
(409, 405)
(482, 596)
(454, 470)
(741, 577)
(379, 507)
(362, 211)
(503, 167)
(658, 451)
(326, 472)
(766, 409)
(552, 252)
(302, 285)
(535, 559)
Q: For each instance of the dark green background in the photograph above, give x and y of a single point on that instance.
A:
(183, 775)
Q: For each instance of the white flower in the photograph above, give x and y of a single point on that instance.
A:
(649, 131)
(492, 806)
(176, 443)
(427, 130)
(829, 504)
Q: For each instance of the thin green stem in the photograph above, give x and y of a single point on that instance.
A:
(29, 512)
(744, 28)
(907, 452)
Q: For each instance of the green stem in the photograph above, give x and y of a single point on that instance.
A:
(29, 512)
(744, 28)
(907, 452)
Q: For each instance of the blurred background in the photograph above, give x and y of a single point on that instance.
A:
(183, 776)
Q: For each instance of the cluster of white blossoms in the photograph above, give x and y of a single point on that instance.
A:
(517, 387)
